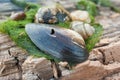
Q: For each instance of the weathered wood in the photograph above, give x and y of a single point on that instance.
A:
(10, 54)
(16, 65)
(92, 70)
(37, 69)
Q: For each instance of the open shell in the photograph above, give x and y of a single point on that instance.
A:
(52, 14)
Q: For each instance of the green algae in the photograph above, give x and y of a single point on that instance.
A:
(65, 24)
(91, 41)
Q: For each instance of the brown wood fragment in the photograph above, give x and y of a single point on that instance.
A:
(37, 68)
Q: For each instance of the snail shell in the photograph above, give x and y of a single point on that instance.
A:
(63, 44)
(84, 29)
(18, 16)
(52, 14)
(79, 15)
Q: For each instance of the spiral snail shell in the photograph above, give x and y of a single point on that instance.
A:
(18, 16)
(84, 29)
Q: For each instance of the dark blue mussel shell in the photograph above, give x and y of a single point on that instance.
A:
(53, 41)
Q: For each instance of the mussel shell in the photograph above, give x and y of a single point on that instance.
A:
(57, 42)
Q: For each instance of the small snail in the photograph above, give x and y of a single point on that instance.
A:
(18, 16)
(84, 29)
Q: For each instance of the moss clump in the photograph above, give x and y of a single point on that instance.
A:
(65, 24)
(91, 41)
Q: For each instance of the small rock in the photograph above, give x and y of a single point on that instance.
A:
(84, 29)
(79, 15)
(37, 68)
(52, 14)
(18, 16)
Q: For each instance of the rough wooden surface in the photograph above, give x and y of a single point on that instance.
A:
(9, 65)
(36, 69)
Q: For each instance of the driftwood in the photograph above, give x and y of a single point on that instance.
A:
(37, 69)
(9, 65)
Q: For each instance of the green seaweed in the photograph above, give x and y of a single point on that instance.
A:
(91, 41)
(65, 24)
